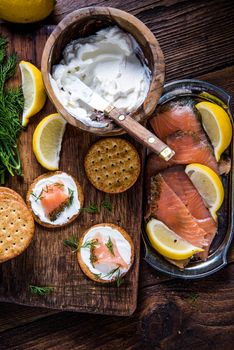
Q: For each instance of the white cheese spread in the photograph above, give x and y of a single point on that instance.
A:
(112, 64)
(104, 270)
(68, 212)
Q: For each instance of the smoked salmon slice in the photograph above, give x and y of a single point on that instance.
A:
(103, 255)
(165, 205)
(179, 116)
(188, 149)
(180, 183)
(53, 199)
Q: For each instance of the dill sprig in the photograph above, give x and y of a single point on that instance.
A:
(71, 196)
(36, 290)
(119, 279)
(37, 198)
(92, 208)
(11, 106)
(91, 245)
(109, 245)
(107, 204)
(194, 296)
(71, 243)
(97, 276)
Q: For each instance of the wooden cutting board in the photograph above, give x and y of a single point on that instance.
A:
(47, 262)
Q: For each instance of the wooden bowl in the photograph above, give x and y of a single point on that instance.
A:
(87, 21)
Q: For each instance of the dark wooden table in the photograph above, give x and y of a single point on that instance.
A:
(197, 38)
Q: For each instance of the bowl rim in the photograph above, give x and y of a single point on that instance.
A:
(156, 85)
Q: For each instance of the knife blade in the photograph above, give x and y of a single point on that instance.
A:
(90, 97)
(135, 129)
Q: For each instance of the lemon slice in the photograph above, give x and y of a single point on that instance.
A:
(208, 184)
(33, 90)
(217, 125)
(168, 243)
(47, 140)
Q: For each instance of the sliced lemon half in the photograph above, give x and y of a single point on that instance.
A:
(33, 90)
(47, 140)
(208, 184)
(168, 243)
(217, 125)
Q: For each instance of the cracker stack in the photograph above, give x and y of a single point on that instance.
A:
(16, 224)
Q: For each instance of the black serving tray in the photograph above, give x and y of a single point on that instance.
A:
(218, 256)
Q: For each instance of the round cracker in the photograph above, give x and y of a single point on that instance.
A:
(85, 268)
(44, 176)
(112, 165)
(16, 228)
(8, 193)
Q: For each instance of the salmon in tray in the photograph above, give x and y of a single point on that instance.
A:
(185, 193)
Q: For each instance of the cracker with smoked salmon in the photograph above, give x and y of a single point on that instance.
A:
(55, 199)
(105, 253)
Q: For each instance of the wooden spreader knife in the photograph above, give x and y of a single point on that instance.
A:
(133, 128)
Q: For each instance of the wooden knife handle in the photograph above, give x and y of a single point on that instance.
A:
(141, 134)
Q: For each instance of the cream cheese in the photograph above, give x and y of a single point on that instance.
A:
(112, 64)
(122, 244)
(68, 212)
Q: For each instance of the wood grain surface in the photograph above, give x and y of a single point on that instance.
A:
(198, 42)
(47, 262)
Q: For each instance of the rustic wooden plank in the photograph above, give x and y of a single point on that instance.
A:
(12, 315)
(148, 277)
(195, 36)
(189, 314)
(47, 262)
(173, 315)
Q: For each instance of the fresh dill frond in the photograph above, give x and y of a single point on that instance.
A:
(71, 243)
(109, 245)
(112, 272)
(37, 198)
(36, 290)
(71, 196)
(89, 244)
(119, 280)
(106, 204)
(97, 276)
(3, 43)
(194, 297)
(92, 208)
(11, 106)
(116, 273)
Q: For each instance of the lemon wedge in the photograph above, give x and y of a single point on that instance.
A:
(217, 125)
(33, 90)
(21, 11)
(208, 184)
(168, 243)
(47, 140)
